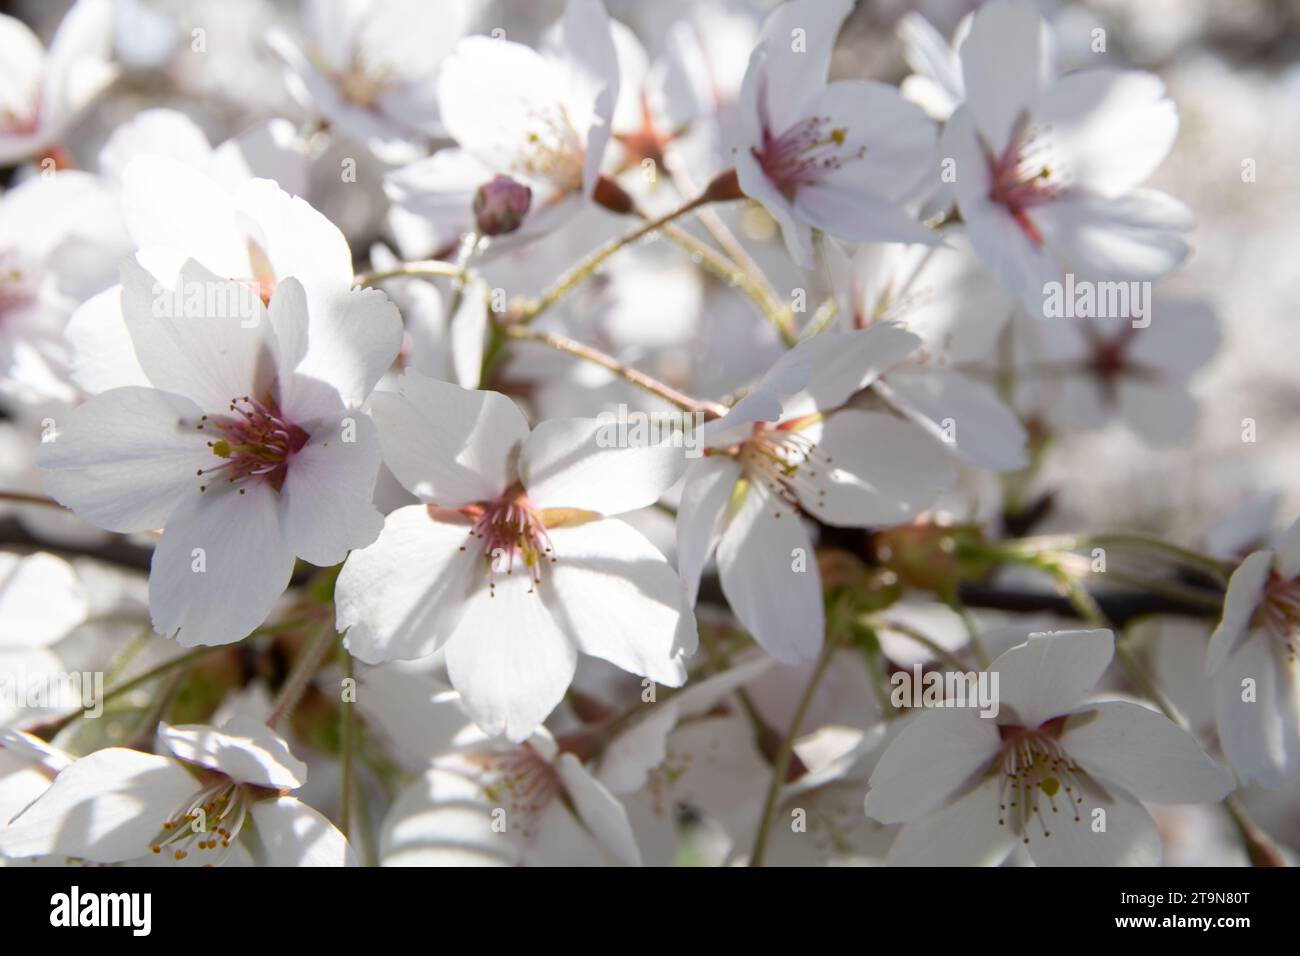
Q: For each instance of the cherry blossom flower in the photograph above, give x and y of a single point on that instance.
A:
(189, 808)
(789, 448)
(839, 157)
(43, 91)
(371, 68)
(1056, 773)
(245, 446)
(541, 118)
(1082, 374)
(1048, 169)
(1251, 661)
(520, 564)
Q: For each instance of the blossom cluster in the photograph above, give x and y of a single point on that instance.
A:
(561, 443)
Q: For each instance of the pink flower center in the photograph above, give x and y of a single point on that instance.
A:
(16, 123)
(17, 287)
(786, 462)
(511, 530)
(1279, 613)
(256, 443)
(1038, 780)
(1022, 178)
(804, 154)
(519, 781)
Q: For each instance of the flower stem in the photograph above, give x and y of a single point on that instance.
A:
(782, 762)
(929, 643)
(304, 669)
(652, 385)
(428, 268)
(347, 742)
(1077, 542)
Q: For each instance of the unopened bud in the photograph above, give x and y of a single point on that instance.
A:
(500, 206)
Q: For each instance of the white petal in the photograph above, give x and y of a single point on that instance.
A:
(882, 470)
(245, 750)
(934, 756)
(984, 430)
(174, 206)
(105, 807)
(1137, 236)
(123, 459)
(103, 353)
(448, 444)
(354, 338)
(422, 717)
(212, 349)
(1129, 839)
(579, 463)
(445, 819)
(1287, 561)
(964, 833)
(1050, 674)
(705, 496)
(599, 810)
(762, 544)
(220, 566)
(402, 597)
(1112, 128)
(1260, 737)
(796, 73)
(1163, 413)
(1245, 589)
(617, 598)
(509, 659)
(326, 502)
(293, 834)
(1003, 67)
(1144, 752)
(840, 365)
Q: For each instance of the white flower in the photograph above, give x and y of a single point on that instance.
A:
(253, 233)
(1056, 773)
(489, 802)
(246, 445)
(1254, 648)
(1084, 373)
(1047, 169)
(541, 118)
(936, 85)
(370, 67)
(839, 157)
(42, 92)
(41, 601)
(513, 564)
(942, 294)
(788, 448)
(189, 808)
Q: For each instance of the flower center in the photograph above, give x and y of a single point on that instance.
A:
(1024, 176)
(209, 821)
(1279, 613)
(804, 153)
(17, 288)
(786, 462)
(1038, 780)
(15, 122)
(519, 781)
(510, 528)
(256, 443)
(552, 151)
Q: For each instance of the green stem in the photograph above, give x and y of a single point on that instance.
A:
(347, 734)
(425, 269)
(782, 763)
(1080, 542)
(304, 669)
(25, 498)
(928, 643)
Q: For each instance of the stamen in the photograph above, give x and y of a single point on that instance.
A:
(256, 443)
(805, 153)
(1025, 175)
(510, 527)
(787, 463)
(1037, 781)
